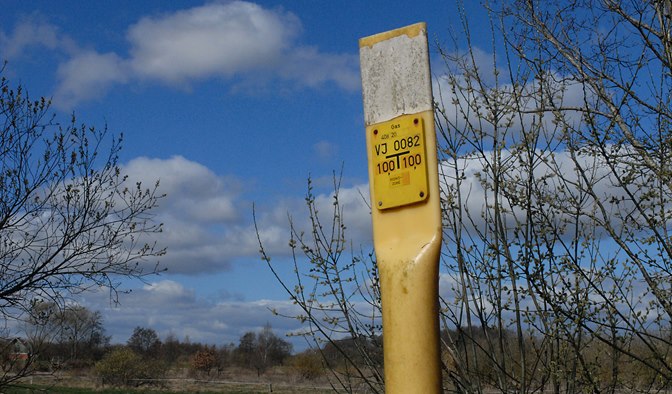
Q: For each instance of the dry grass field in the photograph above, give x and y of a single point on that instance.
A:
(233, 380)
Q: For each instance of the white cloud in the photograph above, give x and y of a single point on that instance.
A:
(168, 292)
(88, 75)
(325, 150)
(469, 101)
(202, 213)
(208, 222)
(198, 194)
(238, 41)
(310, 67)
(33, 32)
(558, 186)
(169, 307)
(355, 213)
(214, 39)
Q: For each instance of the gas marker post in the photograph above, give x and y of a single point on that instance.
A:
(405, 204)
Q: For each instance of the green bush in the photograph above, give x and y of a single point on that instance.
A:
(120, 367)
(308, 364)
(124, 367)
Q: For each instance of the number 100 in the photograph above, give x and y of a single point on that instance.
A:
(411, 160)
(406, 162)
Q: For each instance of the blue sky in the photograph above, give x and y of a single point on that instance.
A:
(227, 104)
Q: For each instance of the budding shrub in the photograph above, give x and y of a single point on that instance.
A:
(307, 364)
(119, 367)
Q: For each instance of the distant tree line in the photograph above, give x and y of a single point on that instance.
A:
(74, 338)
(145, 358)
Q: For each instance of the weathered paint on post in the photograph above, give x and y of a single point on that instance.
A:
(403, 175)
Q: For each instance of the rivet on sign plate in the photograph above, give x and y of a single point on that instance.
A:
(375, 132)
(415, 121)
(422, 194)
(380, 203)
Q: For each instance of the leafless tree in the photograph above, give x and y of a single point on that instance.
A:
(145, 342)
(69, 219)
(72, 333)
(337, 293)
(563, 137)
(556, 151)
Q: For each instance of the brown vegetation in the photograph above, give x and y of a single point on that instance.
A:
(260, 360)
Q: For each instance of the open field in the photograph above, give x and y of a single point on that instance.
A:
(82, 384)
(219, 387)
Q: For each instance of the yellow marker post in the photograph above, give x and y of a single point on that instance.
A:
(403, 176)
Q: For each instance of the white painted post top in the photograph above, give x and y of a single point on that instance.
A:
(395, 82)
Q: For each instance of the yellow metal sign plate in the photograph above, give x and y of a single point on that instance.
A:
(398, 162)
